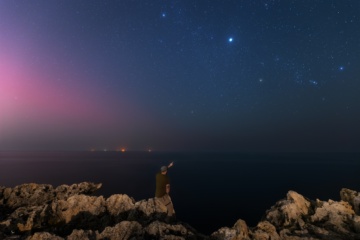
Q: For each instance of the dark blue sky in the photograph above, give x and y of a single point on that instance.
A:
(180, 75)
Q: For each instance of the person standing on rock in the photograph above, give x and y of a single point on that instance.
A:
(163, 190)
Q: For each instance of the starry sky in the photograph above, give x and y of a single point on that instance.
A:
(264, 75)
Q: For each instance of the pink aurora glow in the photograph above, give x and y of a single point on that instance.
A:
(33, 101)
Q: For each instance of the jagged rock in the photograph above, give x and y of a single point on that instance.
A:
(150, 206)
(82, 235)
(67, 209)
(351, 197)
(44, 236)
(289, 211)
(123, 230)
(39, 194)
(242, 230)
(119, 203)
(287, 234)
(66, 213)
(357, 224)
(63, 192)
(265, 230)
(239, 231)
(28, 195)
(297, 218)
(338, 216)
(224, 233)
(30, 218)
(160, 230)
(26, 219)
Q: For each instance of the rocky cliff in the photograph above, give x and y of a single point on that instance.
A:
(35, 212)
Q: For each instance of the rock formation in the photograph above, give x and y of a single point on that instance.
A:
(297, 217)
(41, 212)
(35, 212)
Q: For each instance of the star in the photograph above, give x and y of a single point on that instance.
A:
(341, 68)
(313, 82)
(231, 39)
(163, 15)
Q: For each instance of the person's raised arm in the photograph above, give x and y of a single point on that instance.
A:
(171, 164)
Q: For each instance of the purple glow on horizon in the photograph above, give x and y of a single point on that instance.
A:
(32, 98)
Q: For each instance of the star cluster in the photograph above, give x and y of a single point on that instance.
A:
(264, 75)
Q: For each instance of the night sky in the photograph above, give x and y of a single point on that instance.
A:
(264, 75)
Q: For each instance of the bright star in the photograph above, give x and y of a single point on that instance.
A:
(231, 39)
(313, 82)
(163, 15)
(341, 68)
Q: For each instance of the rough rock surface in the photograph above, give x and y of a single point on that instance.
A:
(41, 212)
(37, 194)
(298, 218)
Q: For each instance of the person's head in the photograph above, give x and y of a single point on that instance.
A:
(163, 169)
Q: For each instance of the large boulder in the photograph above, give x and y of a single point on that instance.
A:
(119, 203)
(289, 211)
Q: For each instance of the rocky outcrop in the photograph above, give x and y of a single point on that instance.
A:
(34, 211)
(298, 218)
(351, 197)
(36, 195)
(41, 212)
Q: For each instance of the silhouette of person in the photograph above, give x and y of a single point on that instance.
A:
(163, 190)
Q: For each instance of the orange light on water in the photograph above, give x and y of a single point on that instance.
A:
(120, 149)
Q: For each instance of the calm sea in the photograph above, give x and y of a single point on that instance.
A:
(209, 190)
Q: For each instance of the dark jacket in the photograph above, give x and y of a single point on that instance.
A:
(161, 181)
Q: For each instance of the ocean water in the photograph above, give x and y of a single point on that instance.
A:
(209, 190)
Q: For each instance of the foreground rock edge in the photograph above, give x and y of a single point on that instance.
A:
(40, 211)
